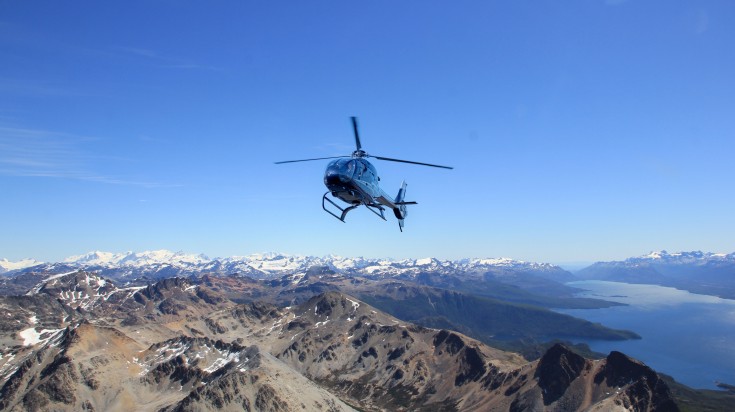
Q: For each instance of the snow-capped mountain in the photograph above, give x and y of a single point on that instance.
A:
(155, 257)
(178, 346)
(701, 272)
(163, 263)
(78, 290)
(8, 266)
(682, 258)
(666, 259)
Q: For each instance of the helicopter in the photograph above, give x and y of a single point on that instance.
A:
(355, 181)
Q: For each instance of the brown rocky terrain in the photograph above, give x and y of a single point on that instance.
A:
(80, 343)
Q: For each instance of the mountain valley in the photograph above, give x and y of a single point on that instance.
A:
(180, 345)
(167, 331)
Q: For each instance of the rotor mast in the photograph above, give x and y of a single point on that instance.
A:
(358, 153)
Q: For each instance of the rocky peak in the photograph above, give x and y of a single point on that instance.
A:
(643, 385)
(318, 271)
(256, 310)
(79, 290)
(329, 304)
(183, 353)
(620, 370)
(165, 287)
(449, 341)
(556, 370)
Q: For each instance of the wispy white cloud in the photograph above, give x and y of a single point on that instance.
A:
(30, 39)
(702, 23)
(139, 52)
(47, 154)
(150, 139)
(164, 61)
(36, 88)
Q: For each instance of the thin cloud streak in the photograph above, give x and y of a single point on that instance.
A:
(140, 52)
(47, 154)
(162, 61)
(72, 175)
(25, 87)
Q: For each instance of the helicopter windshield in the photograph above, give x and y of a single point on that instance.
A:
(340, 170)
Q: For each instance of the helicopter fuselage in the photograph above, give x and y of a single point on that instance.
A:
(355, 181)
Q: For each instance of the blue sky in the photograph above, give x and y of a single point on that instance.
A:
(579, 130)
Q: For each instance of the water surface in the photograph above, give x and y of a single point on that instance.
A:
(686, 335)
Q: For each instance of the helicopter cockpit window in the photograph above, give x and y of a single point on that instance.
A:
(359, 168)
(347, 167)
(342, 169)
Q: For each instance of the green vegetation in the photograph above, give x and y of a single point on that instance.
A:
(533, 351)
(529, 290)
(699, 400)
(515, 294)
(489, 319)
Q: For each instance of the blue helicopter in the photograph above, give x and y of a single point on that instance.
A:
(355, 181)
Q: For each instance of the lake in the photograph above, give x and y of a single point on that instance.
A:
(688, 336)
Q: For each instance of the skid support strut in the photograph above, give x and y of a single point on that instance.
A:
(378, 210)
(342, 210)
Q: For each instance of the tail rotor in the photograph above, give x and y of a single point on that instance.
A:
(400, 210)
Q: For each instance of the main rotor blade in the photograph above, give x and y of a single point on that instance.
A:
(357, 135)
(408, 161)
(308, 160)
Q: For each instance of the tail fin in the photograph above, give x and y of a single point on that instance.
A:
(400, 209)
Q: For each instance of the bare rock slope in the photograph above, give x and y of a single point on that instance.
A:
(80, 343)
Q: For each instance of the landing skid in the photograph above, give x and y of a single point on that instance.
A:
(343, 211)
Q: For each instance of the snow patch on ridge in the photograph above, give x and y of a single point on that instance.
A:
(7, 266)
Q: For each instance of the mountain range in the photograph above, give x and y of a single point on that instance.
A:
(213, 334)
(78, 341)
(698, 272)
(464, 295)
(163, 263)
(489, 286)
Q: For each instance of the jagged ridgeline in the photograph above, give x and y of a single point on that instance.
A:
(78, 341)
(498, 301)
